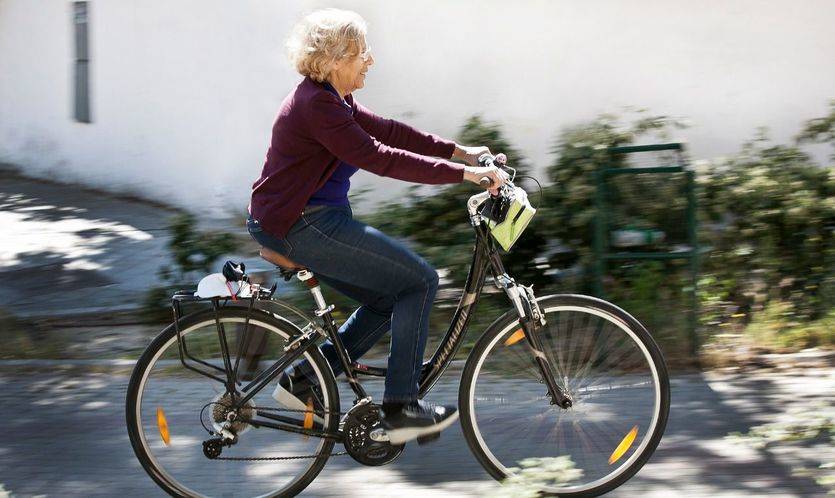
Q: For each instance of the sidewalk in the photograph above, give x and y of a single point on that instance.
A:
(65, 249)
(69, 250)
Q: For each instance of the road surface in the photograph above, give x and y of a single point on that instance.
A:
(65, 436)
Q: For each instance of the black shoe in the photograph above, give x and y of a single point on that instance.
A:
(417, 419)
(298, 391)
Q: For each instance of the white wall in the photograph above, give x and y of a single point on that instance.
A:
(184, 93)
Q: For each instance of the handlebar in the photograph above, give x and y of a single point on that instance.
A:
(486, 160)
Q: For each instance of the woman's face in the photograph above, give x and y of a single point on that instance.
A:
(349, 72)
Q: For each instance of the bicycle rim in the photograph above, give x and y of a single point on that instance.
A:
(619, 395)
(169, 399)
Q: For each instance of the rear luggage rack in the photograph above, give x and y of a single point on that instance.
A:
(257, 293)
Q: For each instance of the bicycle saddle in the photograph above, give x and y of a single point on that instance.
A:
(279, 259)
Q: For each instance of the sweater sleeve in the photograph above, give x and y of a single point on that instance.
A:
(332, 125)
(401, 135)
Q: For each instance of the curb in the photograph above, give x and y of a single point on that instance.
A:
(66, 363)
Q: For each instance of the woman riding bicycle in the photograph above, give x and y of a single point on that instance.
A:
(300, 210)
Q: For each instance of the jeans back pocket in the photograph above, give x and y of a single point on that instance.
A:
(265, 239)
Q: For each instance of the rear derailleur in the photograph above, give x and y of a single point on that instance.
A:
(212, 448)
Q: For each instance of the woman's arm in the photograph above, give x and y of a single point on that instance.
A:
(396, 134)
(332, 125)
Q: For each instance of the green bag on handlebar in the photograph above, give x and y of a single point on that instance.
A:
(519, 213)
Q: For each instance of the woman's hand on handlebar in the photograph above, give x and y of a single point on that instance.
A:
(496, 175)
(469, 155)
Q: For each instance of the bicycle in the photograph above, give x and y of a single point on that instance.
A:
(556, 376)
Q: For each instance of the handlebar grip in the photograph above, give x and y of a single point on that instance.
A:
(486, 160)
(485, 182)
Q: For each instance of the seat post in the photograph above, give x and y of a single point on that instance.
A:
(307, 277)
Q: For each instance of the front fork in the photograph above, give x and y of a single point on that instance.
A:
(532, 320)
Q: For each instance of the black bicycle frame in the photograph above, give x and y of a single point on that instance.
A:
(485, 255)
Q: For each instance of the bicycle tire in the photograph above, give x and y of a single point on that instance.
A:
(509, 322)
(192, 322)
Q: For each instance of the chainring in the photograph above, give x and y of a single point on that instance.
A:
(357, 427)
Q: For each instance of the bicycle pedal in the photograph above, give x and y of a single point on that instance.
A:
(428, 438)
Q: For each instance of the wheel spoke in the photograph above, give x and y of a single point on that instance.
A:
(190, 399)
(604, 365)
(583, 371)
(552, 353)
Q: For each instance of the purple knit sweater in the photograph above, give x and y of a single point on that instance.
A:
(315, 130)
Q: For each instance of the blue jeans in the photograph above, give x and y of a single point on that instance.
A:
(395, 286)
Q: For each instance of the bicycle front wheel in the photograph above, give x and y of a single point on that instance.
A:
(614, 373)
(170, 410)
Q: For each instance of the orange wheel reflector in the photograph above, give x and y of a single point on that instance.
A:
(162, 424)
(308, 415)
(624, 445)
(516, 337)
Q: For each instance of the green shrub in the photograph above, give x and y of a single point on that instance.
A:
(779, 326)
(25, 339)
(582, 150)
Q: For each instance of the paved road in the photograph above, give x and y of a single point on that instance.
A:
(80, 249)
(65, 436)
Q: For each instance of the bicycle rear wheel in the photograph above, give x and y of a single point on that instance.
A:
(167, 407)
(611, 368)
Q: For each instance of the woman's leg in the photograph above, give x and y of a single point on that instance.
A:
(362, 329)
(332, 244)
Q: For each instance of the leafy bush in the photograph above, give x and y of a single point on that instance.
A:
(194, 250)
(779, 326)
(656, 293)
(774, 211)
(582, 150)
(537, 474)
(771, 214)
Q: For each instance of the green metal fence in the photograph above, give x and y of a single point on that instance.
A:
(603, 254)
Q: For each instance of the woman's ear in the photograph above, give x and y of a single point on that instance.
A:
(337, 64)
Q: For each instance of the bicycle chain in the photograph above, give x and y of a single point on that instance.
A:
(298, 457)
(317, 412)
(265, 459)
